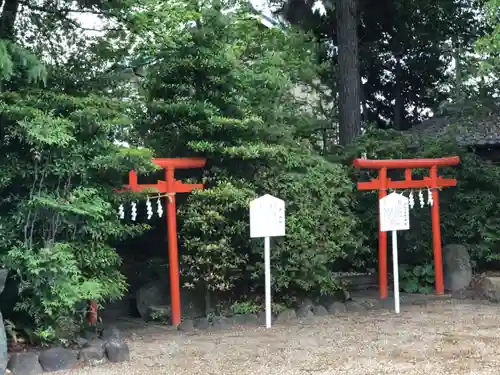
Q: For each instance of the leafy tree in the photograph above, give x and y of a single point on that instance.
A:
(404, 51)
(60, 162)
(224, 87)
(489, 45)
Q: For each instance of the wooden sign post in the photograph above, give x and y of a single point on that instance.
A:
(267, 219)
(394, 211)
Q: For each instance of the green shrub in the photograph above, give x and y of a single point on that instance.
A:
(58, 219)
(416, 279)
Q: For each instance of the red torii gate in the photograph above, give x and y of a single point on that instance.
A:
(170, 187)
(433, 182)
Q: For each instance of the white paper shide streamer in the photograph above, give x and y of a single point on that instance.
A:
(159, 208)
(149, 209)
(429, 197)
(411, 200)
(134, 211)
(121, 211)
(421, 198)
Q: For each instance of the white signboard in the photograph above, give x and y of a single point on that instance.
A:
(394, 213)
(267, 217)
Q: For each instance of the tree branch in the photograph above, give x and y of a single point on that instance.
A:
(64, 11)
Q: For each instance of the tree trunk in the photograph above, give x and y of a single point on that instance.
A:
(398, 95)
(349, 98)
(364, 106)
(8, 19)
(458, 68)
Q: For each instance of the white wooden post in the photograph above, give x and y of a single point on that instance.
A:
(267, 219)
(395, 216)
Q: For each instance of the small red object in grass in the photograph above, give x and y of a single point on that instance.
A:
(92, 313)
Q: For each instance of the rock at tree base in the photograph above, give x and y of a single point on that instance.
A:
(201, 323)
(353, 306)
(221, 322)
(186, 326)
(305, 310)
(157, 293)
(3, 337)
(261, 318)
(489, 287)
(320, 310)
(56, 359)
(4, 357)
(25, 364)
(94, 354)
(152, 294)
(117, 351)
(337, 308)
(242, 319)
(286, 315)
(457, 267)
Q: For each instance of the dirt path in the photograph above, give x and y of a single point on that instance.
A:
(444, 337)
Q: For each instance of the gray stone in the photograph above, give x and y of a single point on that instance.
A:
(262, 318)
(117, 351)
(4, 357)
(371, 304)
(305, 310)
(343, 295)
(111, 332)
(186, 326)
(57, 359)
(221, 322)
(286, 315)
(81, 342)
(242, 319)
(320, 310)
(25, 364)
(353, 306)
(157, 293)
(93, 354)
(457, 267)
(337, 307)
(489, 287)
(201, 323)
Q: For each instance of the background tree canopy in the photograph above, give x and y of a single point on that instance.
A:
(91, 89)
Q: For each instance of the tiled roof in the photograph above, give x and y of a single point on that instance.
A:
(469, 130)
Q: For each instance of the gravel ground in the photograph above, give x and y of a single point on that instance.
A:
(442, 337)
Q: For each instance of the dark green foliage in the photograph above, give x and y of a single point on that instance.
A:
(419, 31)
(234, 104)
(59, 166)
(416, 279)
